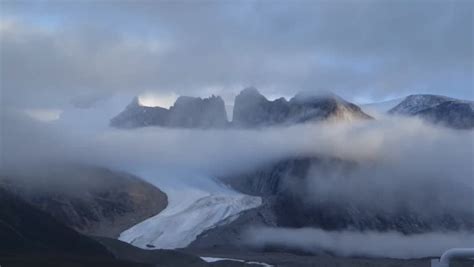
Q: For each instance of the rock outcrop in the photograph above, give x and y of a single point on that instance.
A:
(187, 112)
(252, 109)
(195, 112)
(290, 200)
(136, 115)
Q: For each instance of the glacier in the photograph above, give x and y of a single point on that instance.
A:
(195, 204)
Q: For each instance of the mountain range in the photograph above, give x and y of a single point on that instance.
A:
(251, 109)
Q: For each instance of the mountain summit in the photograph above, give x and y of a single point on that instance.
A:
(187, 112)
(415, 103)
(252, 109)
(437, 109)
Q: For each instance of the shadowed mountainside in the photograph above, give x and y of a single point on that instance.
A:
(288, 202)
(187, 112)
(252, 109)
(90, 199)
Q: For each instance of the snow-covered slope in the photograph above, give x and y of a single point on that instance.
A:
(415, 103)
(195, 204)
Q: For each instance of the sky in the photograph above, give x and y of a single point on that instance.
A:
(57, 53)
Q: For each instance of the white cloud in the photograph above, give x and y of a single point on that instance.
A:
(361, 244)
(46, 115)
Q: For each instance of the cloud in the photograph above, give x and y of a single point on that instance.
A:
(348, 243)
(52, 51)
(387, 141)
(44, 114)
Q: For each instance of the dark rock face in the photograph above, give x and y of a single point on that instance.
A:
(91, 200)
(24, 228)
(284, 187)
(187, 112)
(251, 109)
(441, 110)
(136, 115)
(192, 112)
(452, 114)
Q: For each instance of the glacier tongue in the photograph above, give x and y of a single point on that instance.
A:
(195, 204)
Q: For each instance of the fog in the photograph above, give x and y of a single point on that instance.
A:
(401, 162)
(368, 244)
(408, 145)
(363, 49)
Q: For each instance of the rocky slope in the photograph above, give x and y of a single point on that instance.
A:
(442, 110)
(252, 109)
(31, 237)
(90, 199)
(27, 229)
(288, 203)
(187, 112)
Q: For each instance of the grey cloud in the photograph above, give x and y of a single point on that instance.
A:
(370, 49)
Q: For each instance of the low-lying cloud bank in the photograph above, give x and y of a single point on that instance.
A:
(364, 244)
(392, 148)
(392, 141)
(403, 162)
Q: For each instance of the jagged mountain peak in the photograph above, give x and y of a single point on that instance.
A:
(135, 102)
(187, 112)
(250, 94)
(186, 100)
(251, 109)
(306, 96)
(251, 90)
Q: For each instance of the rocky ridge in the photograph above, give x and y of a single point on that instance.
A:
(251, 110)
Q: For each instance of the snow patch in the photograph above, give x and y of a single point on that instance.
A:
(212, 259)
(195, 204)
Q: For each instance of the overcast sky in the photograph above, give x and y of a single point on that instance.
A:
(55, 51)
